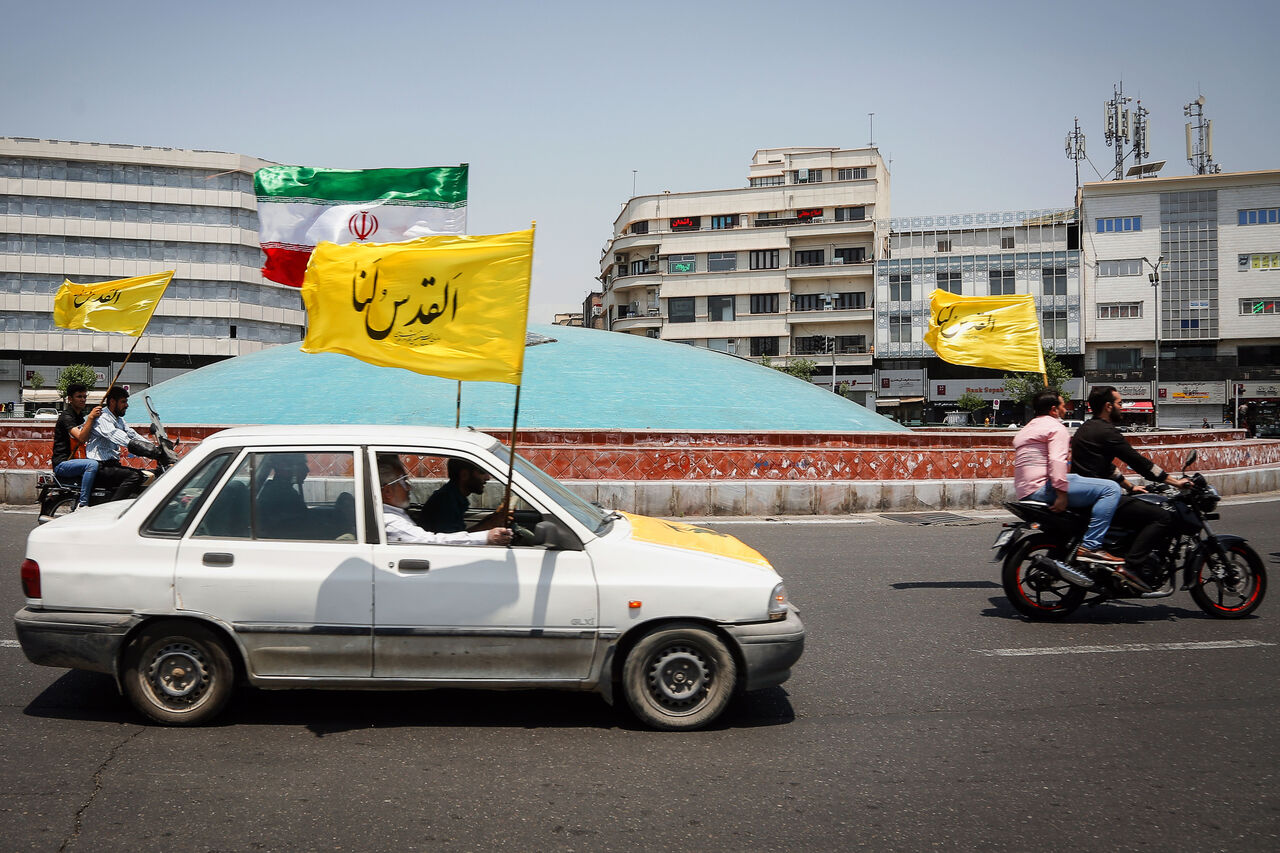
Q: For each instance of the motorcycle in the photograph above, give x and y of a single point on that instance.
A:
(58, 498)
(1044, 582)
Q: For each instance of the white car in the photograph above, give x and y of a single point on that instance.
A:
(46, 414)
(231, 567)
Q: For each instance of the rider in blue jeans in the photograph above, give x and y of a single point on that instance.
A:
(71, 431)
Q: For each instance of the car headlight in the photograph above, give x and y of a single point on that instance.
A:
(779, 604)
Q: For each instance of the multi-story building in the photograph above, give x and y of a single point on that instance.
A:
(979, 254)
(781, 268)
(1212, 243)
(94, 212)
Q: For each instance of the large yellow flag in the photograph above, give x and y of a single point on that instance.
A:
(1000, 332)
(451, 306)
(123, 306)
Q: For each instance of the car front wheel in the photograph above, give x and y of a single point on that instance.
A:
(679, 677)
(178, 673)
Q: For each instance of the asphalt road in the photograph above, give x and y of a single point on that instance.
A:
(903, 728)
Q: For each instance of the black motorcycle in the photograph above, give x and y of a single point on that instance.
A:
(58, 498)
(1044, 581)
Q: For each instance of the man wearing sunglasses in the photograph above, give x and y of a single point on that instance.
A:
(401, 529)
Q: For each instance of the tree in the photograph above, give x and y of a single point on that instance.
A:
(842, 389)
(82, 373)
(37, 380)
(971, 402)
(800, 368)
(1023, 386)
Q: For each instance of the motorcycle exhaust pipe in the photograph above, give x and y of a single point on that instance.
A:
(1068, 573)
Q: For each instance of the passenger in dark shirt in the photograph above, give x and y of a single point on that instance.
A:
(69, 434)
(446, 510)
(1096, 445)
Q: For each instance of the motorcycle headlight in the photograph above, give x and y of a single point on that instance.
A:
(779, 604)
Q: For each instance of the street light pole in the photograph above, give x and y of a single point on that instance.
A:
(1154, 278)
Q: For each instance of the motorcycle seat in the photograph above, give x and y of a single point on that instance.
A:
(1041, 508)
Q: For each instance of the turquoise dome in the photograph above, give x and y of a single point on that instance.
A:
(581, 379)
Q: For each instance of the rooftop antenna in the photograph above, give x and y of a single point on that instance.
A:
(1140, 151)
(1200, 147)
(633, 183)
(1118, 123)
(1075, 150)
(871, 117)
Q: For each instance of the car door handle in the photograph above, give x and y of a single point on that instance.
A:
(415, 565)
(216, 559)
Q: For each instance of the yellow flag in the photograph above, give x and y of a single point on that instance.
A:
(453, 306)
(123, 306)
(1000, 332)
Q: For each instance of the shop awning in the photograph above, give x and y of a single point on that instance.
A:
(1137, 406)
(44, 395)
(887, 401)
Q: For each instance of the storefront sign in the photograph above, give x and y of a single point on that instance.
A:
(1259, 390)
(1193, 392)
(1140, 390)
(901, 383)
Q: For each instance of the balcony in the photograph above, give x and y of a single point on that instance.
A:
(831, 315)
(638, 321)
(830, 269)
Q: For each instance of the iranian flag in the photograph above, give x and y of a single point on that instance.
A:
(299, 207)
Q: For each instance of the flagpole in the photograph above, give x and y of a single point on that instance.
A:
(511, 464)
(457, 420)
(128, 356)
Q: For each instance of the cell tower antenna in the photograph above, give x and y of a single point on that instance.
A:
(1075, 150)
(871, 117)
(1118, 123)
(1140, 150)
(1200, 139)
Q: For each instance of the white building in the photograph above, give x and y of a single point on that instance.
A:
(1216, 239)
(1033, 252)
(94, 212)
(781, 268)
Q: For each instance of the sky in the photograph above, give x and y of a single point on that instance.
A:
(561, 107)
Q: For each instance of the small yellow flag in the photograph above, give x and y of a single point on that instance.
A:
(453, 306)
(123, 306)
(1001, 332)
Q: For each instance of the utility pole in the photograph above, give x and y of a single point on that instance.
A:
(1154, 278)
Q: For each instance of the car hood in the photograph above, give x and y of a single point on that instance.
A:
(675, 534)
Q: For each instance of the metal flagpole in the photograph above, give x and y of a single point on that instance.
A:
(511, 465)
(457, 420)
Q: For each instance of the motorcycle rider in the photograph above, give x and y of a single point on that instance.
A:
(1040, 473)
(110, 433)
(71, 431)
(1094, 447)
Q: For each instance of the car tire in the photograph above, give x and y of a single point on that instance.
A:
(178, 673)
(679, 677)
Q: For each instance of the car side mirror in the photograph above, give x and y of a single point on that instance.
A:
(556, 536)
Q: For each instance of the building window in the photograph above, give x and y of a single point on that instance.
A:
(1128, 358)
(1260, 216)
(950, 282)
(1000, 283)
(851, 256)
(723, 344)
(764, 303)
(680, 309)
(681, 263)
(722, 261)
(1189, 324)
(686, 223)
(859, 174)
(1119, 310)
(1259, 306)
(766, 259)
(1129, 266)
(847, 344)
(764, 346)
(806, 302)
(727, 221)
(944, 245)
(1053, 324)
(640, 227)
(768, 181)
(806, 176)
(809, 258)
(1119, 223)
(851, 214)
(900, 328)
(1264, 261)
(1055, 281)
(849, 300)
(900, 288)
(719, 308)
(1006, 243)
(639, 267)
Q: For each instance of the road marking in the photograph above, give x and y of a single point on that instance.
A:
(9, 644)
(1124, 647)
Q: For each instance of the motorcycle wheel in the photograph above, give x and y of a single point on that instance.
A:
(66, 506)
(1038, 594)
(1231, 588)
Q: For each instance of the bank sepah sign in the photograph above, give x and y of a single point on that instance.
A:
(950, 390)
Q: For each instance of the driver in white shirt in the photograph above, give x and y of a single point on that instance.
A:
(401, 529)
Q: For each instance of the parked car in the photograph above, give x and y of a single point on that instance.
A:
(46, 414)
(1072, 424)
(232, 570)
(957, 419)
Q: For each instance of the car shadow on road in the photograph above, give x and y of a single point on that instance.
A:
(93, 697)
(1113, 612)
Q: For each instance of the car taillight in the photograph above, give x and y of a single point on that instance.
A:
(30, 578)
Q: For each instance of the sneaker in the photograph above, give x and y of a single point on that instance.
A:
(1097, 556)
(1132, 578)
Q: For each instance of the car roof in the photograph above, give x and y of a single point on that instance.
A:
(310, 434)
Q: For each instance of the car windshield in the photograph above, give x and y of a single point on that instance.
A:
(589, 515)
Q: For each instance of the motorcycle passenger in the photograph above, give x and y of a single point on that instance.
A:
(1040, 474)
(71, 431)
(111, 433)
(1094, 447)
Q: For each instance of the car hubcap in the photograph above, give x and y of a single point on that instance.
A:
(178, 673)
(679, 677)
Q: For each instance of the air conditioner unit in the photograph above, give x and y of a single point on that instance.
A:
(837, 260)
(619, 259)
(802, 175)
(653, 259)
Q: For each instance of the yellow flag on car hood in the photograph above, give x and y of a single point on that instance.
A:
(124, 305)
(677, 535)
(1001, 332)
(454, 306)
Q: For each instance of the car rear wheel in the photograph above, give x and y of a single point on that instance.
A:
(178, 673)
(679, 677)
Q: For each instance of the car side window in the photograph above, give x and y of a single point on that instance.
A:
(172, 517)
(296, 495)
